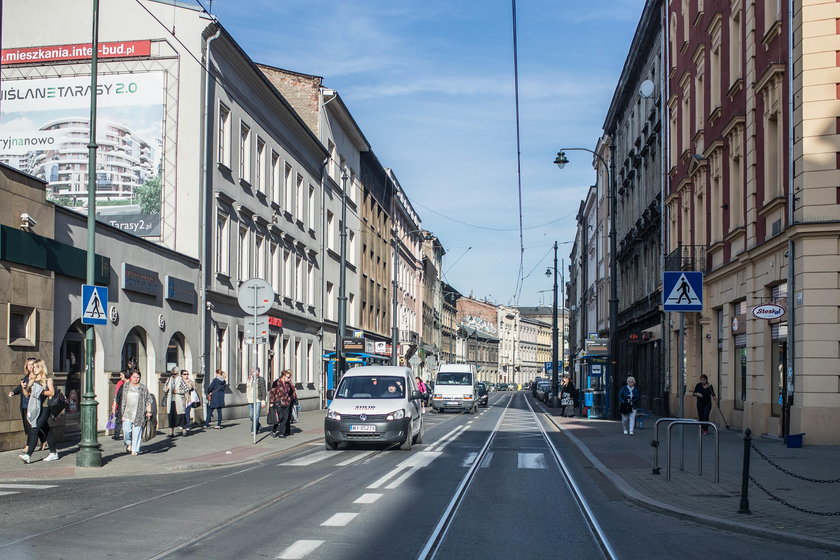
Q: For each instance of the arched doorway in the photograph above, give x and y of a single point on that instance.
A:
(71, 360)
(176, 353)
(133, 353)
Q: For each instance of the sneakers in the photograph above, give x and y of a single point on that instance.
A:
(52, 457)
(24, 457)
(631, 433)
(626, 432)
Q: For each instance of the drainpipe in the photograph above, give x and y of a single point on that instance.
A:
(788, 385)
(207, 153)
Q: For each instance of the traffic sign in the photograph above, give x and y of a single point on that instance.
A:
(255, 296)
(94, 305)
(414, 360)
(682, 291)
(257, 329)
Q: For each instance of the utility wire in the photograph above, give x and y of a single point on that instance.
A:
(519, 278)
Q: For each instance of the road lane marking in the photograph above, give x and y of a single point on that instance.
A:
(469, 459)
(486, 461)
(531, 461)
(28, 486)
(367, 498)
(299, 549)
(310, 459)
(416, 461)
(339, 520)
(446, 438)
(352, 460)
(7, 493)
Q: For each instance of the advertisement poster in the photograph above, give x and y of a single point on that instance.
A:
(45, 129)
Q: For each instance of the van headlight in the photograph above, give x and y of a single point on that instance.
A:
(333, 415)
(396, 415)
(468, 397)
(437, 396)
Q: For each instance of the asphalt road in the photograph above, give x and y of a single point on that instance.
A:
(368, 502)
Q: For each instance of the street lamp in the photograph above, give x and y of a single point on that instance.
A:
(395, 242)
(555, 402)
(561, 160)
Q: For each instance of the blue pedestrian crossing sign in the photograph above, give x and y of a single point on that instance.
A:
(94, 305)
(682, 291)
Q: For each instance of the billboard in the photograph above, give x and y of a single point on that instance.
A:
(45, 129)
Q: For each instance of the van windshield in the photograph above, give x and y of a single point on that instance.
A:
(371, 387)
(453, 378)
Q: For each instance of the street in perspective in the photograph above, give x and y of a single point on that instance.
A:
(419, 280)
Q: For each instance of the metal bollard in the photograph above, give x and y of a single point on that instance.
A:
(745, 474)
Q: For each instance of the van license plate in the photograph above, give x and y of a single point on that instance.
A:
(362, 428)
(456, 403)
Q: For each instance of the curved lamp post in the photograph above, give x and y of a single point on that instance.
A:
(561, 160)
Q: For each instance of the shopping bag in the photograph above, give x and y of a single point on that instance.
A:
(150, 429)
(295, 412)
(112, 422)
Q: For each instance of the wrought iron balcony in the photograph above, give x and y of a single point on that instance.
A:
(687, 257)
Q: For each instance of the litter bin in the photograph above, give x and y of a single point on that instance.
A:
(794, 440)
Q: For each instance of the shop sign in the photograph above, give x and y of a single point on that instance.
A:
(275, 322)
(179, 290)
(140, 280)
(768, 311)
(354, 344)
(598, 347)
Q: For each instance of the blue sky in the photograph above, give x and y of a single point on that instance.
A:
(431, 84)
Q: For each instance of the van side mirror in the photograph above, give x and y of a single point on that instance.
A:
(330, 394)
(416, 395)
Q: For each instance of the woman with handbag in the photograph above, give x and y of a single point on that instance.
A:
(216, 399)
(175, 401)
(192, 399)
(567, 396)
(293, 401)
(135, 411)
(38, 389)
(279, 404)
(628, 401)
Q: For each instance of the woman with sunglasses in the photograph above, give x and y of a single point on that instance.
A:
(38, 389)
(27, 371)
(135, 411)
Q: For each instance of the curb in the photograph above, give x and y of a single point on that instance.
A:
(717, 522)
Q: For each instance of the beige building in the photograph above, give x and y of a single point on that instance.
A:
(759, 215)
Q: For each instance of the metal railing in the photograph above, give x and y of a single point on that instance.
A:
(683, 421)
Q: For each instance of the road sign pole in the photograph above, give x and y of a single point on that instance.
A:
(255, 296)
(255, 384)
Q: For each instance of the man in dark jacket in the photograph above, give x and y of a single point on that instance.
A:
(216, 399)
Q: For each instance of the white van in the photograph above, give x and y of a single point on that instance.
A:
(455, 388)
(374, 404)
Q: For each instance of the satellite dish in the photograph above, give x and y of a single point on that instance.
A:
(646, 89)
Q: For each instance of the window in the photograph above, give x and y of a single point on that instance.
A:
(332, 169)
(221, 349)
(299, 200)
(310, 363)
(260, 175)
(735, 45)
(330, 230)
(21, 328)
(287, 357)
(740, 365)
(715, 81)
(685, 125)
(673, 39)
(350, 311)
(299, 281)
(351, 246)
(287, 274)
(287, 188)
(245, 153)
(274, 268)
(276, 177)
(773, 160)
(310, 218)
(298, 357)
(329, 312)
(716, 205)
(244, 254)
(224, 135)
(259, 257)
(222, 244)
(310, 288)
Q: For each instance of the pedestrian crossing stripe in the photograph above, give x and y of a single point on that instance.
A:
(683, 291)
(94, 305)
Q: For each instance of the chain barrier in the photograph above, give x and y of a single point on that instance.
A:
(797, 508)
(794, 475)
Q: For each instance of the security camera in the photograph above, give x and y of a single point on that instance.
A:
(209, 306)
(27, 220)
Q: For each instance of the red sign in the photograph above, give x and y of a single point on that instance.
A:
(275, 322)
(79, 51)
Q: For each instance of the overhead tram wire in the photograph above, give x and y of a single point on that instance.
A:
(519, 279)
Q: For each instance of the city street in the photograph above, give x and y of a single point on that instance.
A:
(366, 502)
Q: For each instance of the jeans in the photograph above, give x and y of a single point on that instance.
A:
(42, 424)
(187, 414)
(631, 418)
(210, 416)
(251, 414)
(132, 435)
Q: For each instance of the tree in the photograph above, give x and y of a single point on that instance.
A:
(148, 194)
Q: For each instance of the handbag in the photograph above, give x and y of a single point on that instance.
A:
(57, 403)
(567, 400)
(295, 412)
(195, 400)
(112, 422)
(273, 416)
(149, 428)
(625, 407)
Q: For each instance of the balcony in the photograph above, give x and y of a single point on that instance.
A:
(688, 258)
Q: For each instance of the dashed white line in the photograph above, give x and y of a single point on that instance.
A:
(486, 461)
(310, 459)
(299, 549)
(368, 498)
(531, 461)
(352, 460)
(339, 519)
(469, 459)
(28, 486)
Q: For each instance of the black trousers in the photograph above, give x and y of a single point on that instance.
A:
(42, 424)
(283, 426)
(703, 411)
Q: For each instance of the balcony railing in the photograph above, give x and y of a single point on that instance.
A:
(687, 257)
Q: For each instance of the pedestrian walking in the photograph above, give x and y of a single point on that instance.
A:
(424, 390)
(117, 403)
(628, 401)
(135, 410)
(175, 401)
(704, 392)
(290, 386)
(215, 400)
(24, 402)
(280, 405)
(255, 392)
(38, 389)
(191, 404)
(567, 396)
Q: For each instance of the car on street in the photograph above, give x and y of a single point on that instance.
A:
(543, 388)
(483, 394)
